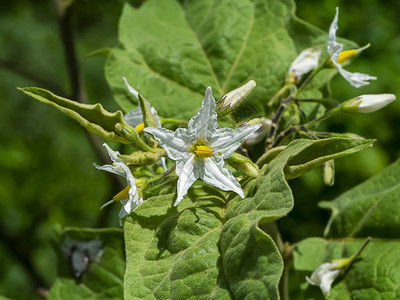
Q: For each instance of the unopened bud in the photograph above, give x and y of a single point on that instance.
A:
(230, 101)
(261, 133)
(367, 103)
(328, 172)
(243, 164)
(304, 63)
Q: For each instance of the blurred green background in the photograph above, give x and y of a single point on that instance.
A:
(47, 177)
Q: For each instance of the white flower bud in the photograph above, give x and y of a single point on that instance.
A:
(367, 103)
(328, 172)
(305, 62)
(260, 133)
(230, 101)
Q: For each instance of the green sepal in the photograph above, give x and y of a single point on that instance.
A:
(148, 118)
(91, 116)
(143, 158)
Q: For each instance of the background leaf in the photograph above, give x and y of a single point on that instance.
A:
(102, 276)
(368, 209)
(181, 48)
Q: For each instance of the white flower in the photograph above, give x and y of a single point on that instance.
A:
(128, 197)
(334, 49)
(305, 62)
(324, 276)
(200, 150)
(368, 103)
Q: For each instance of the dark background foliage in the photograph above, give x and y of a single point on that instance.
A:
(47, 177)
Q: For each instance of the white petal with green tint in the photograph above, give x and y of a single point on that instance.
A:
(205, 122)
(227, 140)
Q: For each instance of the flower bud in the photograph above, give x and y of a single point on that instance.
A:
(328, 172)
(260, 134)
(305, 62)
(367, 103)
(243, 164)
(230, 101)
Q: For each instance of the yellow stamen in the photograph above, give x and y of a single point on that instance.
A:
(124, 194)
(345, 55)
(140, 127)
(202, 151)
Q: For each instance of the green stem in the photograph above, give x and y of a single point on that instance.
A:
(278, 94)
(329, 103)
(275, 121)
(308, 80)
(325, 116)
(172, 121)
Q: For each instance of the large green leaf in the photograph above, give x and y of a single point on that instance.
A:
(91, 116)
(91, 264)
(171, 51)
(369, 209)
(374, 275)
(210, 245)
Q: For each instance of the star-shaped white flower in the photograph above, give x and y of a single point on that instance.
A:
(128, 197)
(324, 276)
(200, 150)
(334, 49)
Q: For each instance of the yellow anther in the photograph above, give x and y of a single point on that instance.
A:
(203, 151)
(140, 127)
(124, 194)
(345, 55)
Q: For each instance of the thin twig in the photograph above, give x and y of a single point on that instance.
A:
(275, 121)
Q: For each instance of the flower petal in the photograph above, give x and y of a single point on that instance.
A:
(227, 140)
(327, 280)
(176, 144)
(333, 46)
(216, 175)
(185, 171)
(134, 117)
(131, 89)
(205, 122)
(355, 79)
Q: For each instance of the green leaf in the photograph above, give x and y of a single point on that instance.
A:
(172, 51)
(91, 116)
(208, 248)
(369, 209)
(374, 275)
(321, 151)
(91, 264)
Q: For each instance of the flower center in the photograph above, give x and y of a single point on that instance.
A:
(140, 127)
(345, 55)
(124, 194)
(202, 151)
